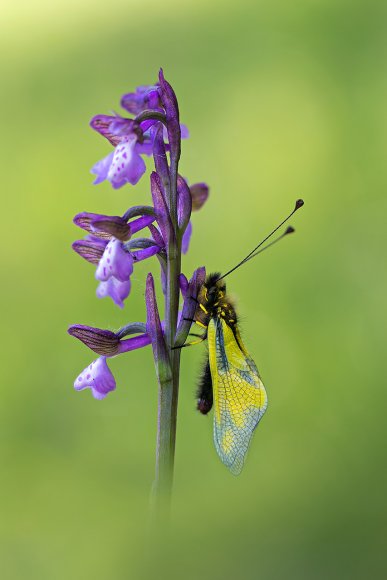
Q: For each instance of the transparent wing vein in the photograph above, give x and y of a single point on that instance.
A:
(240, 398)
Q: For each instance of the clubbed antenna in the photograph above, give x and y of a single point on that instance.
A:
(253, 253)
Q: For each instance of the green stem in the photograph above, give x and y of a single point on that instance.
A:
(168, 394)
(169, 390)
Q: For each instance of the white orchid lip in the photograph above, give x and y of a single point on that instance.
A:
(116, 289)
(97, 377)
(115, 262)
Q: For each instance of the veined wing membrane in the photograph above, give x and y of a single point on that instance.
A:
(240, 398)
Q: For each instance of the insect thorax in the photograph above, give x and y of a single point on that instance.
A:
(214, 302)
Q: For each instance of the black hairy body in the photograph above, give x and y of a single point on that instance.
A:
(213, 303)
(205, 395)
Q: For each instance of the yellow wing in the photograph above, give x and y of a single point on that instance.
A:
(240, 398)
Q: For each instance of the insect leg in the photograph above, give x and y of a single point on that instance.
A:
(196, 322)
(201, 338)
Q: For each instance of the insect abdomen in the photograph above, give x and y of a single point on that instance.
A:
(205, 396)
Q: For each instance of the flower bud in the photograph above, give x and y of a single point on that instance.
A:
(199, 194)
(169, 102)
(145, 97)
(184, 203)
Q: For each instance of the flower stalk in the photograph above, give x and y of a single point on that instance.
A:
(112, 249)
(169, 390)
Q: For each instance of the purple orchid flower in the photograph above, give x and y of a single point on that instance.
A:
(97, 376)
(130, 139)
(106, 227)
(125, 164)
(115, 262)
(148, 97)
(155, 129)
(145, 97)
(108, 343)
(104, 247)
(116, 266)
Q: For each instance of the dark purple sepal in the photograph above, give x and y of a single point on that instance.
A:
(190, 305)
(169, 102)
(110, 226)
(199, 194)
(104, 342)
(102, 124)
(184, 204)
(84, 220)
(162, 213)
(90, 249)
(155, 331)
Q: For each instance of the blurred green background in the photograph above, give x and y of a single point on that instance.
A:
(283, 100)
